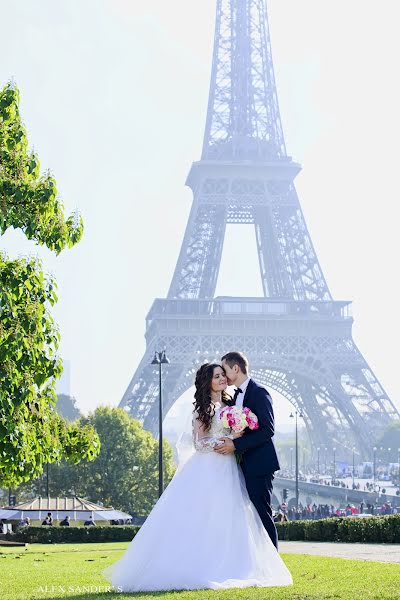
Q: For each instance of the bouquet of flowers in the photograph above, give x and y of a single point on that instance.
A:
(237, 419)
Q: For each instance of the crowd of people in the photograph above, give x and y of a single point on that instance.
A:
(323, 511)
(49, 521)
(66, 522)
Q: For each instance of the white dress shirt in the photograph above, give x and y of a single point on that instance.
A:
(243, 387)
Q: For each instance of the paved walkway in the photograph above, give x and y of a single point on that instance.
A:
(375, 552)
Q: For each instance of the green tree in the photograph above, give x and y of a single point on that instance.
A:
(125, 474)
(390, 439)
(28, 200)
(31, 431)
(67, 408)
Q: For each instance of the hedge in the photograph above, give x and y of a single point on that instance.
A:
(55, 535)
(385, 529)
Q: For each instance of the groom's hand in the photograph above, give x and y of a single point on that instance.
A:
(226, 446)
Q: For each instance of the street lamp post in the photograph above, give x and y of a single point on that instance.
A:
(291, 461)
(47, 480)
(353, 466)
(374, 466)
(296, 413)
(160, 359)
(326, 454)
(318, 450)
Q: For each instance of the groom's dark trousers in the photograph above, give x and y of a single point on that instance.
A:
(260, 492)
(258, 457)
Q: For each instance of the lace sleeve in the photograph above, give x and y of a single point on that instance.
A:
(202, 440)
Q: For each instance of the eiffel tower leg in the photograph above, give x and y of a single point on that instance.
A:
(197, 269)
(343, 403)
(360, 385)
(186, 354)
(274, 274)
(288, 262)
(333, 419)
(326, 416)
(142, 392)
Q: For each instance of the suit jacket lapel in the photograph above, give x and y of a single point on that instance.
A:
(248, 392)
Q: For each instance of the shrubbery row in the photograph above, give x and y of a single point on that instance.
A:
(56, 535)
(385, 529)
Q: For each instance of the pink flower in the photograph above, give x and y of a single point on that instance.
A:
(251, 420)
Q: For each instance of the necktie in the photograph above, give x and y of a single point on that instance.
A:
(236, 394)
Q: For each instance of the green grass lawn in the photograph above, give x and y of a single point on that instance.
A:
(52, 572)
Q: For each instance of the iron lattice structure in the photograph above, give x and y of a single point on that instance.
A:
(297, 338)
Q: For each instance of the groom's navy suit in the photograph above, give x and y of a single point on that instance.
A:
(258, 456)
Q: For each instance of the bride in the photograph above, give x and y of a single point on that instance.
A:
(204, 532)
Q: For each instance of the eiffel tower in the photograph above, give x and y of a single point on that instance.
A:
(297, 338)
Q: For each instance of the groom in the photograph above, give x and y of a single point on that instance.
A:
(255, 448)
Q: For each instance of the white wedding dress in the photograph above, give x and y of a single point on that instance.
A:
(204, 532)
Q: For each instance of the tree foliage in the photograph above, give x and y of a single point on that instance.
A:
(31, 431)
(28, 200)
(390, 439)
(125, 474)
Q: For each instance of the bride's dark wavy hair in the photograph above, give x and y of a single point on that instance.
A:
(203, 404)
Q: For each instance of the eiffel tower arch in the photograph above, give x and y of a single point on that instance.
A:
(297, 337)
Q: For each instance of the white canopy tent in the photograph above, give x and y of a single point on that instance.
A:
(78, 509)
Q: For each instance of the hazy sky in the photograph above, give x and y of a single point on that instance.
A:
(114, 97)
